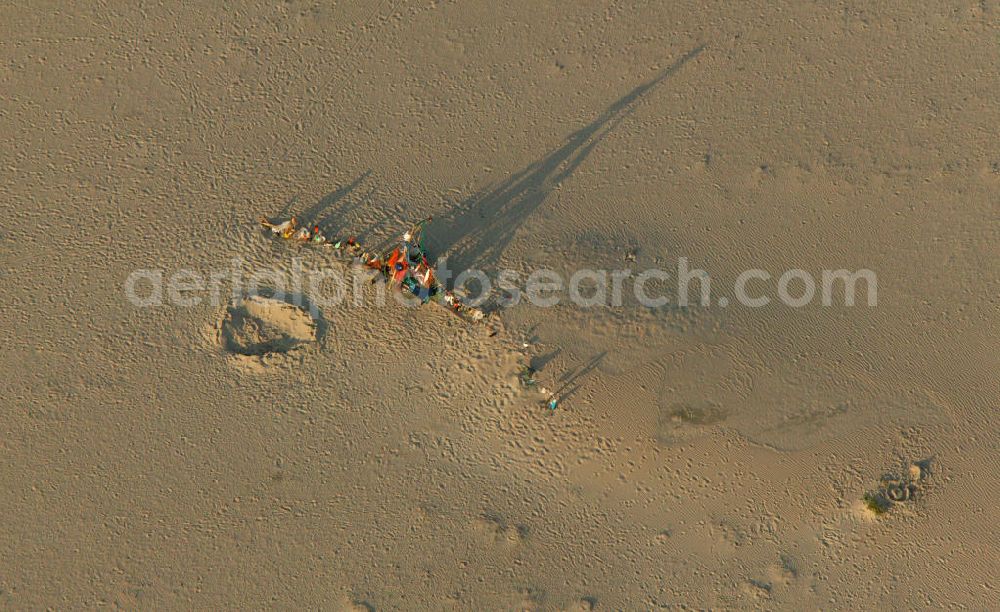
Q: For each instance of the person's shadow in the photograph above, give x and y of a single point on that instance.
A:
(571, 380)
(476, 232)
(329, 212)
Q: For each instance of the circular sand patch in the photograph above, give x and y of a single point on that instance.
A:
(261, 327)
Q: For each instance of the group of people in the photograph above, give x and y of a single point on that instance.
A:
(289, 230)
(406, 267)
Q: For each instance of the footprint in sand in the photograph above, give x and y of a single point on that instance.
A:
(498, 531)
(258, 329)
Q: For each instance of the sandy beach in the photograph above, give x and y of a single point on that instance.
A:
(194, 416)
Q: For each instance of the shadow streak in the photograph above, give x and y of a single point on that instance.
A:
(570, 379)
(478, 231)
(324, 212)
(538, 362)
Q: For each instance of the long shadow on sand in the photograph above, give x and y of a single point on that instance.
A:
(330, 211)
(476, 232)
(571, 379)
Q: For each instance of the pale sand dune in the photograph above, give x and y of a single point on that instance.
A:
(390, 458)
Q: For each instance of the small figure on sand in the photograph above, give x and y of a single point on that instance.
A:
(289, 230)
(285, 229)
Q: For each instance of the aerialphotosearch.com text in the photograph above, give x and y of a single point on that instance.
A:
(586, 287)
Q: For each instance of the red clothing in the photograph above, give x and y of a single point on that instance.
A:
(397, 266)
